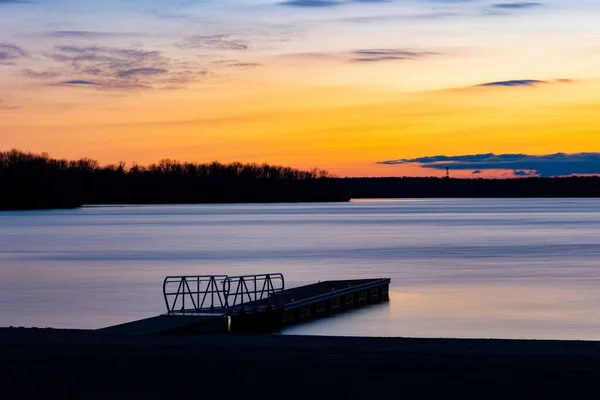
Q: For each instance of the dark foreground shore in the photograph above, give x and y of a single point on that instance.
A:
(83, 364)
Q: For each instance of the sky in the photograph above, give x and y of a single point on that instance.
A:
(356, 87)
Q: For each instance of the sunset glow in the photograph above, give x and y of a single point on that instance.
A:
(340, 85)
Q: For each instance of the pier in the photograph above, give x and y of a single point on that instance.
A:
(251, 303)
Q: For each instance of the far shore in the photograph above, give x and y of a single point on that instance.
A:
(72, 206)
(89, 364)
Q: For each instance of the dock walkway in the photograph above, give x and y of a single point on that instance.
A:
(251, 303)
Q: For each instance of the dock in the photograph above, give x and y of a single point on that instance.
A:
(251, 303)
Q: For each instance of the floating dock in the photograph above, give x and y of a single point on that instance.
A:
(251, 303)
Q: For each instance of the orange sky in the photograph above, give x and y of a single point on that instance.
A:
(344, 130)
(301, 93)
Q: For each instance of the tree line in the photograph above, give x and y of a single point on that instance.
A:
(407, 187)
(29, 180)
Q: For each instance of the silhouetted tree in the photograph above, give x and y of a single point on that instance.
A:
(30, 180)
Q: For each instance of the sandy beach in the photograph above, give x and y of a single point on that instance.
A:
(88, 364)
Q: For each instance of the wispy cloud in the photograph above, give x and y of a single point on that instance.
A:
(236, 63)
(10, 52)
(213, 42)
(363, 55)
(41, 74)
(118, 68)
(76, 82)
(522, 83)
(326, 3)
(515, 6)
(372, 55)
(401, 17)
(311, 3)
(513, 83)
(141, 72)
(87, 34)
(558, 164)
(506, 8)
(8, 108)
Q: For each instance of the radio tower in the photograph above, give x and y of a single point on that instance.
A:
(447, 172)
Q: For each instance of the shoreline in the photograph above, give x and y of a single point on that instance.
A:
(91, 363)
(349, 200)
(125, 205)
(122, 205)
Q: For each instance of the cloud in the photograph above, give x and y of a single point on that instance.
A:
(515, 6)
(401, 17)
(521, 82)
(325, 3)
(10, 52)
(522, 173)
(213, 42)
(236, 64)
(363, 55)
(86, 34)
(41, 74)
(78, 82)
(8, 108)
(141, 72)
(432, 13)
(372, 55)
(558, 164)
(119, 68)
(311, 3)
(505, 8)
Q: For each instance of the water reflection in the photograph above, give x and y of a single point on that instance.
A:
(486, 311)
(461, 268)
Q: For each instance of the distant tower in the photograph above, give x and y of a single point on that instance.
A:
(447, 172)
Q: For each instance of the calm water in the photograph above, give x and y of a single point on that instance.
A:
(459, 268)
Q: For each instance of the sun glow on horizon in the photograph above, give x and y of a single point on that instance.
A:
(296, 92)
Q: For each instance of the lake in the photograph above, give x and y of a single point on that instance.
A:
(502, 268)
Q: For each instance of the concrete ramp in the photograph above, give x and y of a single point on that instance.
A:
(172, 324)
